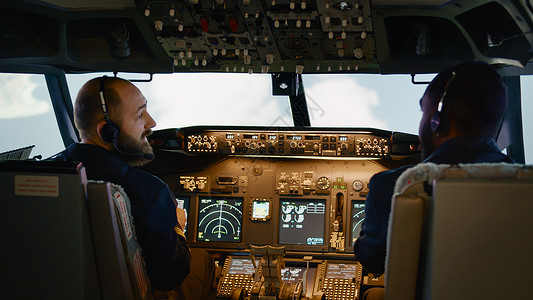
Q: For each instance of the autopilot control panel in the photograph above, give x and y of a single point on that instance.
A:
(290, 141)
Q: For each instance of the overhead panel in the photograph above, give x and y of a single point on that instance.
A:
(265, 36)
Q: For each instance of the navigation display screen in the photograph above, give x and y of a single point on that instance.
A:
(220, 219)
(302, 222)
(341, 271)
(358, 216)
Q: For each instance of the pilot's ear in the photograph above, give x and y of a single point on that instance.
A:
(99, 127)
(439, 133)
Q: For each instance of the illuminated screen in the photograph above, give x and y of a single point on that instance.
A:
(242, 266)
(219, 219)
(183, 203)
(341, 271)
(312, 137)
(292, 274)
(358, 216)
(294, 137)
(302, 222)
(260, 209)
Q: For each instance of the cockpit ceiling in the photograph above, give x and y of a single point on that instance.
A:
(131, 3)
(91, 3)
(428, 3)
(264, 36)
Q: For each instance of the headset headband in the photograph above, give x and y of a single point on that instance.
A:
(102, 99)
(446, 86)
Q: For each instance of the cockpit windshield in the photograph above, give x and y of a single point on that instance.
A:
(179, 100)
(355, 100)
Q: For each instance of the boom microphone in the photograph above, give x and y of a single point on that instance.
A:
(148, 156)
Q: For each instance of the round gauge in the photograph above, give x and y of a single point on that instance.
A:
(322, 183)
(357, 185)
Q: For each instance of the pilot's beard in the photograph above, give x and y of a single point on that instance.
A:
(134, 146)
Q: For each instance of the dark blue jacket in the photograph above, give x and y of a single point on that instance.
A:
(371, 245)
(153, 208)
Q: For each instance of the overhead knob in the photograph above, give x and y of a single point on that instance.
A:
(270, 58)
(158, 24)
(358, 52)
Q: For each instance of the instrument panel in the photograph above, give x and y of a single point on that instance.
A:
(301, 189)
(241, 191)
(299, 203)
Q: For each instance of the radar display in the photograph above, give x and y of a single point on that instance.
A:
(220, 219)
(358, 216)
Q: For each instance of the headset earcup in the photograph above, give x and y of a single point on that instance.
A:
(435, 122)
(109, 132)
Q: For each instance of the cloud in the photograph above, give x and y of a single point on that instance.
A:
(243, 99)
(218, 99)
(17, 97)
(342, 102)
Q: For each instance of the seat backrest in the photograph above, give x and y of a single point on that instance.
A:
(121, 267)
(461, 233)
(47, 250)
(64, 237)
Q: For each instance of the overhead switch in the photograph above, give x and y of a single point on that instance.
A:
(233, 24)
(205, 24)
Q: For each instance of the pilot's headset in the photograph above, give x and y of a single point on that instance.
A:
(436, 120)
(110, 130)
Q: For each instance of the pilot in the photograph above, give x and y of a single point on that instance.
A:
(112, 118)
(462, 110)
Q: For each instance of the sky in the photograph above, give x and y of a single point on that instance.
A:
(380, 101)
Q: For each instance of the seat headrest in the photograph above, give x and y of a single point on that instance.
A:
(427, 172)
